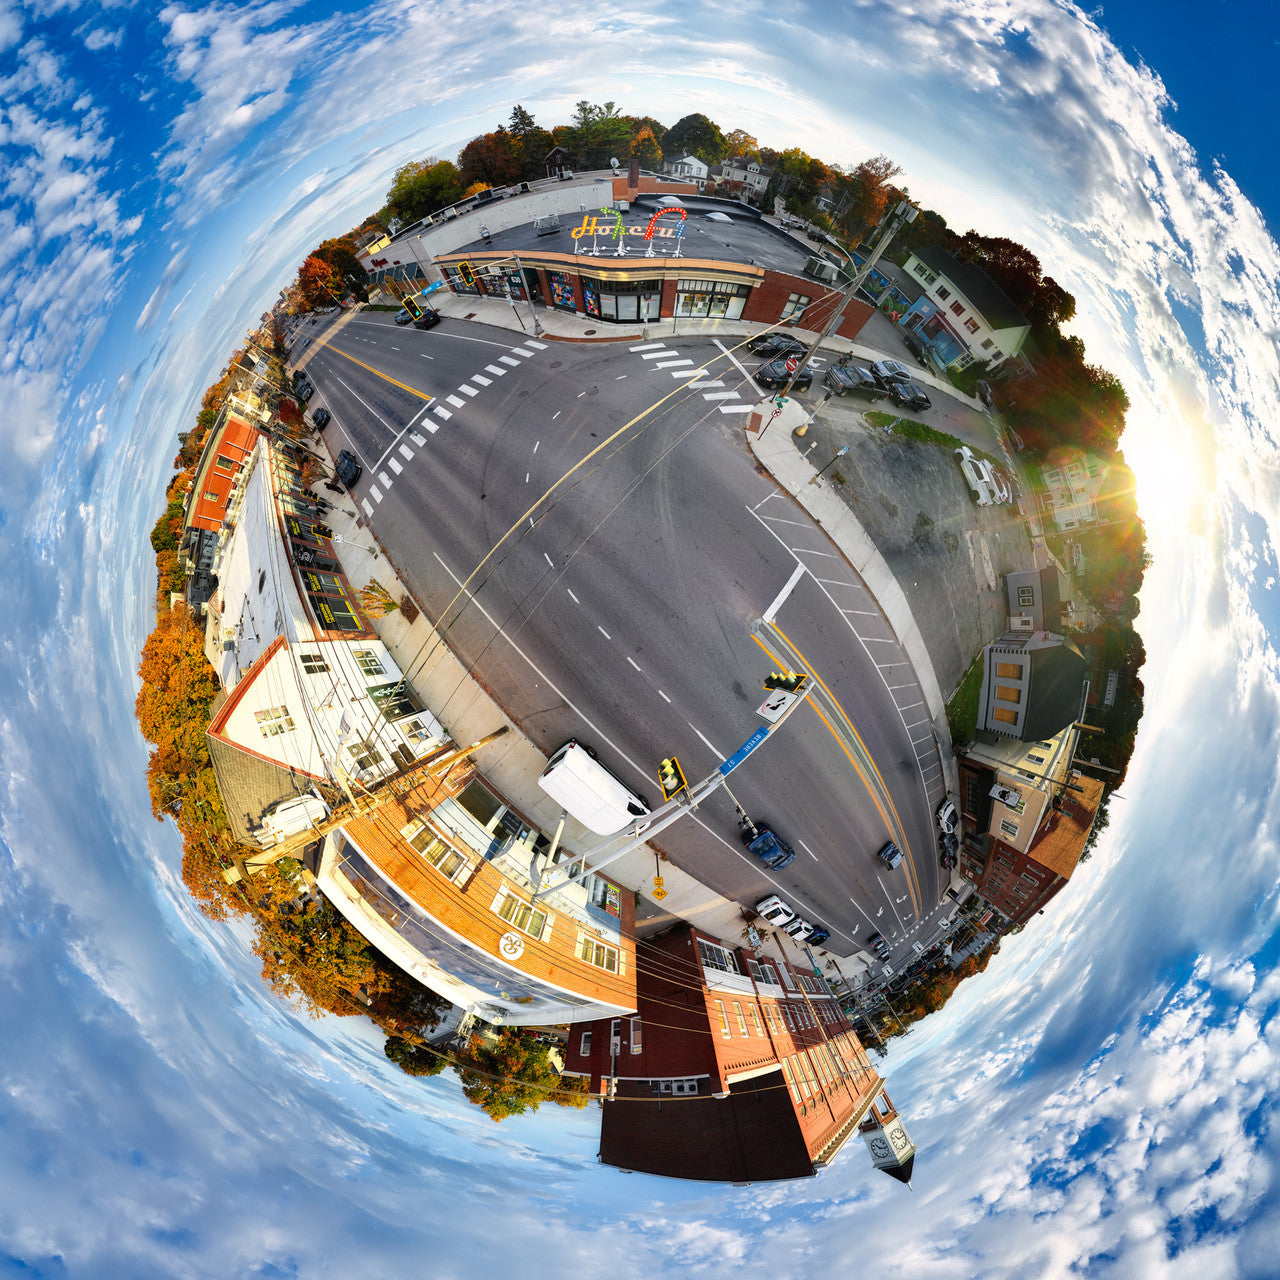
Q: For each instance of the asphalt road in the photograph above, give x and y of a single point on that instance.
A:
(623, 600)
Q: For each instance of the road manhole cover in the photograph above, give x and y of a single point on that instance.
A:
(555, 364)
(592, 391)
(615, 416)
(586, 333)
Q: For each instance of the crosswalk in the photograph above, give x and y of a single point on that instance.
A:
(388, 467)
(683, 369)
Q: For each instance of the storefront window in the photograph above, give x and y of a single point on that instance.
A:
(715, 299)
(622, 301)
(455, 282)
(561, 291)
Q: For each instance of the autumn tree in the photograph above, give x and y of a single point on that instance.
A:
(869, 189)
(340, 254)
(318, 283)
(645, 149)
(490, 160)
(509, 1077)
(419, 188)
(695, 135)
(740, 143)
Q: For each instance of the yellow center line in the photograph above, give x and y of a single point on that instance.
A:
(377, 373)
(913, 885)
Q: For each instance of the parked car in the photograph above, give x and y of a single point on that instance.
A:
(877, 944)
(948, 817)
(304, 391)
(776, 344)
(819, 935)
(800, 930)
(887, 372)
(948, 861)
(984, 393)
(917, 346)
(845, 378)
(320, 418)
(402, 317)
(909, 395)
(348, 468)
(975, 472)
(948, 845)
(891, 856)
(428, 319)
(762, 841)
(1001, 488)
(774, 375)
(774, 910)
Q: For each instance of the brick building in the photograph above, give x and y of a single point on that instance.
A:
(736, 1067)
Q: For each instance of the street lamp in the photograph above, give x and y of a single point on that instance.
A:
(840, 452)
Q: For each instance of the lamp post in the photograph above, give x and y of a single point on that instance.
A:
(840, 452)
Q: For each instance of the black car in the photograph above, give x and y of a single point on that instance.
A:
(948, 844)
(304, 391)
(320, 418)
(917, 346)
(774, 375)
(774, 345)
(877, 944)
(888, 372)
(427, 320)
(347, 468)
(845, 378)
(908, 395)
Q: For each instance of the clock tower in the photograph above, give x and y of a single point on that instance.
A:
(886, 1138)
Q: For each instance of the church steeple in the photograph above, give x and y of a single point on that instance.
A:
(892, 1150)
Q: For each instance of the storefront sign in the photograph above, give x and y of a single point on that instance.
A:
(593, 226)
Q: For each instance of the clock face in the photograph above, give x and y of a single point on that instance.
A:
(879, 1148)
(898, 1136)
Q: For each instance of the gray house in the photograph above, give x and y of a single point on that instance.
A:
(1036, 597)
(1033, 685)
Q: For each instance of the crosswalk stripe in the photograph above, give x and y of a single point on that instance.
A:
(386, 479)
(719, 395)
(645, 346)
(515, 364)
(368, 510)
(442, 411)
(395, 466)
(484, 382)
(375, 493)
(529, 342)
(469, 390)
(408, 453)
(671, 364)
(735, 408)
(520, 351)
(655, 355)
(457, 404)
(710, 383)
(417, 439)
(493, 368)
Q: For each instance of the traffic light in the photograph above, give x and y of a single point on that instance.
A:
(468, 277)
(670, 777)
(411, 306)
(787, 681)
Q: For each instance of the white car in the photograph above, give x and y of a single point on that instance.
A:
(1001, 489)
(947, 817)
(799, 929)
(978, 475)
(775, 911)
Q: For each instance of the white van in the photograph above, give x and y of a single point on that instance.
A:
(587, 791)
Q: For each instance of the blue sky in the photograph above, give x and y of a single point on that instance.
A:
(1098, 1104)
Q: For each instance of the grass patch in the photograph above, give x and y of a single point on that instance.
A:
(910, 429)
(962, 706)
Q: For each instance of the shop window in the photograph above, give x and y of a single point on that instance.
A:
(394, 700)
(597, 954)
(520, 914)
(364, 755)
(369, 662)
(562, 291)
(795, 305)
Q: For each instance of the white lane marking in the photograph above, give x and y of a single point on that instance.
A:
(457, 404)
(735, 408)
(520, 351)
(719, 395)
(634, 663)
(535, 446)
(620, 377)
(671, 364)
(515, 364)
(603, 632)
(493, 368)
(424, 355)
(406, 452)
(467, 389)
(395, 466)
(573, 597)
(663, 696)
(799, 523)
(884, 666)
(742, 369)
(697, 386)
(809, 851)
(338, 379)
(645, 346)
(877, 640)
(863, 613)
(395, 348)
(909, 705)
(720, 755)
(442, 411)
(484, 342)
(386, 479)
(557, 413)
(811, 551)
(549, 560)
(780, 599)
(416, 416)
(889, 894)
(368, 510)
(375, 493)
(484, 382)
(529, 342)
(526, 477)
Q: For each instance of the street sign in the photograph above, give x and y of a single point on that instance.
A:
(658, 891)
(729, 765)
(773, 707)
(792, 364)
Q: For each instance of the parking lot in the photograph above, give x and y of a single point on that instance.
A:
(948, 554)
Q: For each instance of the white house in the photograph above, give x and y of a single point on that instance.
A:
(688, 167)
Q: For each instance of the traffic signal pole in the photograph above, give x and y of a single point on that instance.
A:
(683, 802)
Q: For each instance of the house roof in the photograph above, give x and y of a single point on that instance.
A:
(1060, 847)
(987, 297)
(250, 785)
(753, 1135)
(1057, 686)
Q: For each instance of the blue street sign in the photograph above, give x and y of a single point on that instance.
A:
(743, 751)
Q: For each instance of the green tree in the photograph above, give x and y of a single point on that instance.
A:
(509, 1077)
(694, 135)
(740, 143)
(419, 188)
(414, 1059)
(490, 160)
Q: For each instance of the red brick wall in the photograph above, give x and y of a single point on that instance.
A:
(767, 300)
